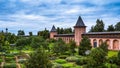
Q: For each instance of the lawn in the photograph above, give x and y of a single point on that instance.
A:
(112, 53)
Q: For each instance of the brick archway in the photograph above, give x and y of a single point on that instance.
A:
(100, 41)
(108, 43)
(94, 43)
(115, 44)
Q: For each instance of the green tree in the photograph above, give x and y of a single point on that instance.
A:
(45, 34)
(6, 47)
(21, 32)
(38, 59)
(2, 37)
(22, 42)
(60, 47)
(98, 57)
(11, 38)
(104, 46)
(84, 45)
(39, 41)
(30, 33)
(58, 30)
(72, 47)
(117, 26)
(110, 28)
(99, 27)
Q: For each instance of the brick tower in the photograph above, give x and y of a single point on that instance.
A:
(79, 28)
(53, 32)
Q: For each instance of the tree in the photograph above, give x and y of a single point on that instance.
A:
(2, 38)
(72, 47)
(45, 34)
(11, 38)
(60, 47)
(92, 29)
(58, 30)
(38, 59)
(22, 42)
(98, 56)
(21, 32)
(117, 26)
(110, 28)
(38, 42)
(99, 27)
(104, 46)
(30, 33)
(84, 45)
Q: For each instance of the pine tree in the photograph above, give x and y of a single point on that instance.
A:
(38, 59)
(110, 28)
(84, 45)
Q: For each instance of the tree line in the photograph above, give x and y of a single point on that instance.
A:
(100, 27)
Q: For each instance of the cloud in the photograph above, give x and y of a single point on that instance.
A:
(35, 15)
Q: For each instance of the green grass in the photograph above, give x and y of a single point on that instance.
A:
(112, 53)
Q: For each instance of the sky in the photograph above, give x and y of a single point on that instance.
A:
(36, 15)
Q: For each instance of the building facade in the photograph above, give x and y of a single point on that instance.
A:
(96, 38)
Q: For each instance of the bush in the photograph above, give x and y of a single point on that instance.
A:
(63, 56)
(1, 60)
(72, 59)
(9, 55)
(108, 65)
(60, 61)
(112, 59)
(57, 66)
(81, 61)
(12, 65)
(9, 59)
(68, 65)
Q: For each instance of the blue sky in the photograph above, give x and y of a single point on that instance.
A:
(35, 15)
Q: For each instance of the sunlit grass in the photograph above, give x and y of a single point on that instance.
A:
(112, 53)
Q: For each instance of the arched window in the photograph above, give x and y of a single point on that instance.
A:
(115, 45)
(95, 43)
(100, 41)
(108, 43)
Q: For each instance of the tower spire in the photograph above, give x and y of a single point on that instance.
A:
(80, 23)
(53, 29)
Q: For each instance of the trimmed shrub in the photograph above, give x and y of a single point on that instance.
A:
(63, 56)
(11, 65)
(68, 65)
(10, 59)
(72, 59)
(1, 60)
(108, 65)
(60, 61)
(9, 55)
(81, 61)
(57, 66)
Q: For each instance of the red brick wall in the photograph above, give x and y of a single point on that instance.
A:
(78, 34)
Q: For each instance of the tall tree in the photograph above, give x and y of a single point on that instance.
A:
(45, 34)
(72, 47)
(60, 47)
(98, 57)
(58, 30)
(84, 45)
(99, 27)
(110, 28)
(38, 59)
(21, 32)
(30, 33)
(104, 46)
(117, 26)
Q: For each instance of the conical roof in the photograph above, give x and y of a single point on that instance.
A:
(80, 23)
(53, 29)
